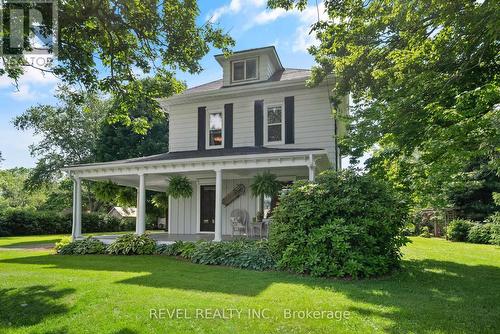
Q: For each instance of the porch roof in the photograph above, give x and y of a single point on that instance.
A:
(237, 162)
(211, 153)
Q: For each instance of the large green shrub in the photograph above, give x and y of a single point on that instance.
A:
(479, 234)
(458, 229)
(84, 246)
(132, 244)
(345, 224)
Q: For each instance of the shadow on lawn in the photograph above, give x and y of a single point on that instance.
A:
(426, 295)
(30, 305)
(430, 295)
(33, 244)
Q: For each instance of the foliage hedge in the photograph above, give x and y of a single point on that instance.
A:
(494, 221)
(246, 254)
(35, 222)
(458, 229)
(479, 234)
(345, 224)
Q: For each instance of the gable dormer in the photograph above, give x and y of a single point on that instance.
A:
(249, 66)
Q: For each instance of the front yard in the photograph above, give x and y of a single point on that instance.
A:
(443, 287)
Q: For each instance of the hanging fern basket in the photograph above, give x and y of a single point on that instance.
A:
(179, 186)
(265, 184)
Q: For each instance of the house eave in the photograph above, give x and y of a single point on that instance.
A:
(236, 90)
(299, 158)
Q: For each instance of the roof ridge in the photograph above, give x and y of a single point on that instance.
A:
(296, 68)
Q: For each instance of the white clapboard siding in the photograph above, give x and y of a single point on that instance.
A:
(314, 125)
(183, 211)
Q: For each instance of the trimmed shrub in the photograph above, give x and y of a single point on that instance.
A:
(132, 244)
(426, 233)
(35, 222)
(458, 229)
(479, 234)
(85, 246)
(494, 222)
(32, 222)
(345, 225)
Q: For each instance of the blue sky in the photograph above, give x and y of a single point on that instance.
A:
(247, 21)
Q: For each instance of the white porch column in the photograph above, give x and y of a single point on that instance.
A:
(140, 223)
(76, 231)
(218, 205)
(312, 167)
(169, 214)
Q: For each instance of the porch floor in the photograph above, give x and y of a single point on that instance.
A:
(166, 238)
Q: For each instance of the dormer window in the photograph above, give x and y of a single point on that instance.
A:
(244, 70)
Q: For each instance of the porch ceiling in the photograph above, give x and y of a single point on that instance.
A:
(159, 181)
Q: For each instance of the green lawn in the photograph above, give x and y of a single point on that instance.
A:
(443, 287)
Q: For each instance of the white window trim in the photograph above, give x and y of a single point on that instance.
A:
(266, 128)
(207, 135)
(245, 69)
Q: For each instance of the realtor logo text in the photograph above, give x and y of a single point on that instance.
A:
(234, 313)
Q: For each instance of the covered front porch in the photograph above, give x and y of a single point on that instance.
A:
(214, 174)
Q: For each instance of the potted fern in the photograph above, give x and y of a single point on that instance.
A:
(265, 184)
(179, 186)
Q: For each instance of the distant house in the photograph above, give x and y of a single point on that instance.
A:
(120, 212)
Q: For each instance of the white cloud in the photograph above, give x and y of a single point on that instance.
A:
(269, 16)
(235, 7)
(25, 93)
(32, 85)
(257, 14)
(303, 39)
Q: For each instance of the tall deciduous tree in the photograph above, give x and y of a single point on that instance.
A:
(68, 134)
(424, 76)
(106, 45)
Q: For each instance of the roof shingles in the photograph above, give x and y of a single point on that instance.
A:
(286, 74)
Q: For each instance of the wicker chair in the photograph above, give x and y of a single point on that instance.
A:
(239, 222)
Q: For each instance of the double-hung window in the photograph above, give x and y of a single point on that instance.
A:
(243, 70)
(274, 124)
(215, 130)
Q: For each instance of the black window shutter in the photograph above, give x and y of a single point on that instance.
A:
(259, 122)
(201, 127)
(289, 120)
(228, 125)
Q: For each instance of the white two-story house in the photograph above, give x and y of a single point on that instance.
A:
(259, 117)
